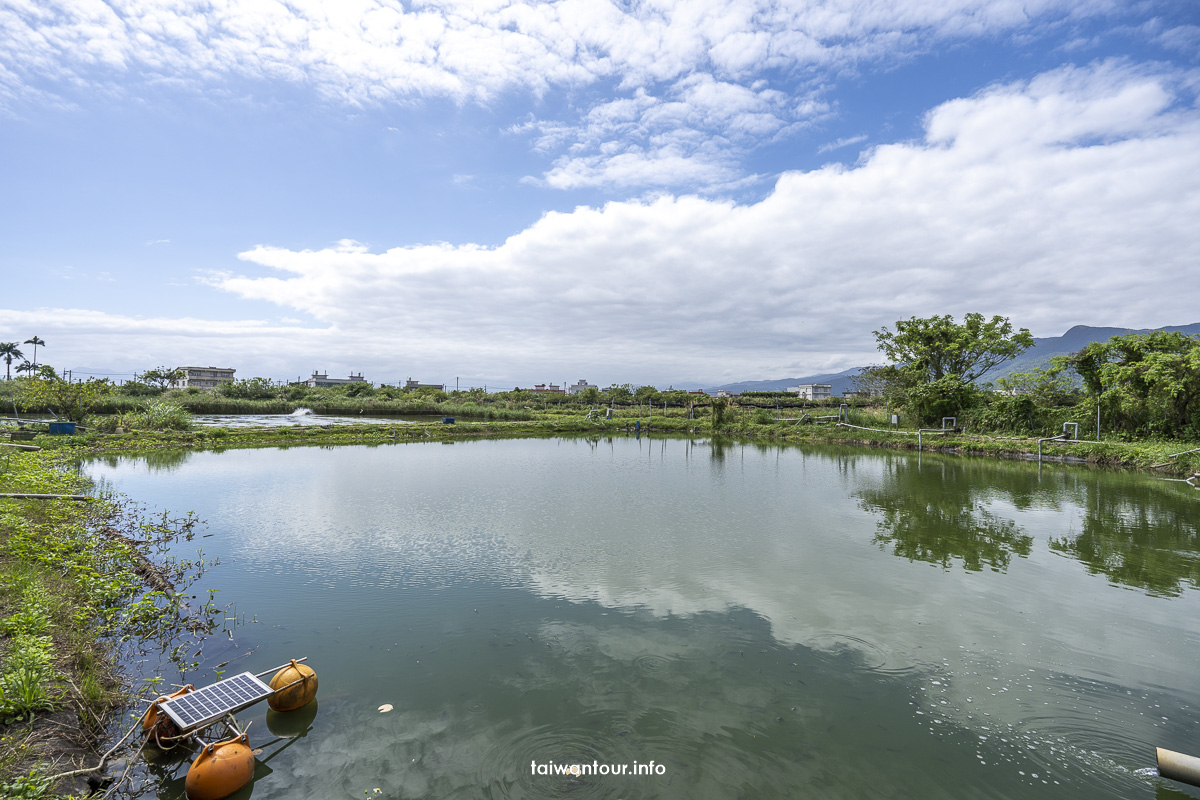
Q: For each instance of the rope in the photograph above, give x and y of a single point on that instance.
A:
(884, 430)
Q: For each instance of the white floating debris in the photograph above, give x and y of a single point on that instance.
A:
(386, 707)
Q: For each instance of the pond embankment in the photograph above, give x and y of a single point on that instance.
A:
(1173, 458)
(79, 581)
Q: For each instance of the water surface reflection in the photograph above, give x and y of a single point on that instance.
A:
(736, 613)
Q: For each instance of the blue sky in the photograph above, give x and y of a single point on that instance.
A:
(650, 192)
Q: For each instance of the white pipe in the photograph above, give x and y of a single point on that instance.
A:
(1178, 766)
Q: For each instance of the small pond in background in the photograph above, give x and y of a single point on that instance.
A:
(306, 416)
(757, 621)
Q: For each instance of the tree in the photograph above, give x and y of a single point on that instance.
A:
(10, 353)
(644, 394)
(35, 341)
(26, 367)
(619, 394)
(161, 377)
(946, 397)
(1148, 384)
(63, 398)
(928, 350)
(719, 405)
(256, 388)
(675, 397)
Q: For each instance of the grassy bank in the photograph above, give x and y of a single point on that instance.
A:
(867, 428)
(74, 584)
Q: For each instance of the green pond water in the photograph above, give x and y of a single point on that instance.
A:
(757, 621)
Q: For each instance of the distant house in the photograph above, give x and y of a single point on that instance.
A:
(202, 377)
(813, 391)
(411, 384)
(724, 393)
(698, 391)
(322, 379)
(576, 388)
(553, 388)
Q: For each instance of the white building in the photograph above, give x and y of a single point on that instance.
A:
(322, 379)
(410, 384)
(813, 391)
(576, 388)
(202, 377)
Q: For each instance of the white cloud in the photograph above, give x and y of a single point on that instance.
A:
(704, 61)
(692, 136)
(1066, 199)
(845, 141)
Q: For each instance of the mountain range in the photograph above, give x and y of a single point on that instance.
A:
(1037, 356)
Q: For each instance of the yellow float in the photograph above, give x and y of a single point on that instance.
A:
(295, 686)
(220, 770)
(155, 719)
(224, 767)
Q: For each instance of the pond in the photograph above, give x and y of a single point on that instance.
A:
(755, 621)
(306, 416)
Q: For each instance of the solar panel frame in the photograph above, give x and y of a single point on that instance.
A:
(205, 706)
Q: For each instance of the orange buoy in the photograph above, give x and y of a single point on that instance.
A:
(220, 770)
(156, 717)
(295, 686)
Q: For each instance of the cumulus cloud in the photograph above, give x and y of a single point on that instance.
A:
(1068, 198)
(1064, 199)
(694, 82)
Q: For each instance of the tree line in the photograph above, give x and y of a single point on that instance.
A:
(1139, 385)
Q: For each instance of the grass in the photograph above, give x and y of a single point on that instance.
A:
(69, 589)
(750, 423)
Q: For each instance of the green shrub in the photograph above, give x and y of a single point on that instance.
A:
(946, 397)
(1014, 413)
(249, 389)
(138, 389)
(162, 416)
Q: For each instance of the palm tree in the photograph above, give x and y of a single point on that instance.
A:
(35, 341)
(10, 353)
(26, 367)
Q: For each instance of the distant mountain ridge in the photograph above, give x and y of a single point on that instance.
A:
(1039, 355)
(1072, 341)
(840, 381)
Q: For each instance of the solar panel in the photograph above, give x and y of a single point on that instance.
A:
(205, 706)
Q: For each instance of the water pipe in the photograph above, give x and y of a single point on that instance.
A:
(928, 430)
(1178, 767)
(1062, 437)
